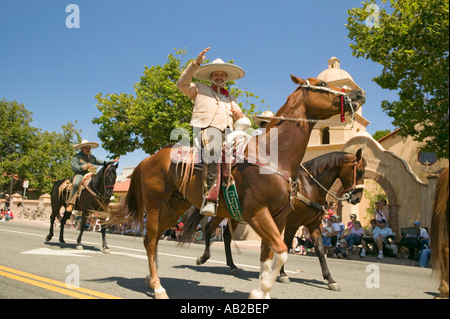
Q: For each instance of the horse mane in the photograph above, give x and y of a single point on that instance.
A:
(439, 233)
(321, 163)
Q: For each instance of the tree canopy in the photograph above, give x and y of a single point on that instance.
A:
(145, 120)
(40, 157)
(412, 44)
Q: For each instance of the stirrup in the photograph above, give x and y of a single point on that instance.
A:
(208, 208)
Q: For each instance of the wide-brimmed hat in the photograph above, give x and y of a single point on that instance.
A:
(233, 71)
(86, 143)
(258, 121)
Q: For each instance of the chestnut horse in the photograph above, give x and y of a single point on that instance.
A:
(439, 233)
(157, 182)
(312, 184)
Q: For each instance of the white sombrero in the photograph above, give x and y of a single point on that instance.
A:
(233, 71)
(86, 143)
(258, 121)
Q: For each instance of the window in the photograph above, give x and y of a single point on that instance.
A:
(427, 158)
(326, 135)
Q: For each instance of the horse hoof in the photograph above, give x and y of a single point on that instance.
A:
(48, 238)
(284, 279)
(161, 293)
(258, 294)
(106, 251)
(80, 247)
(199, 261)
(334, 286)
(235, 272)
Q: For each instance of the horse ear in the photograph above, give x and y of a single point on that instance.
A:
(296, 80)
(116, 165)
(358, 154)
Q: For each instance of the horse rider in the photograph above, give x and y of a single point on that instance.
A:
(262, 122)
(215, 111)
(82, 163)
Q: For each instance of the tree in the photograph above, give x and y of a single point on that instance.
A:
(146, 120)
(40, 157)
(412, 45)
(49, 158)
(379, 134)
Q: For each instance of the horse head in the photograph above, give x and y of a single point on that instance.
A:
(323, 100)
(352, 177)
(109, 178)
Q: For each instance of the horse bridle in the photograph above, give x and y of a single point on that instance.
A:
(95, 192)
(345, 100)
(347, 193)
(355, 187)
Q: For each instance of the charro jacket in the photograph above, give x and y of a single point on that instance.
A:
(210, 108)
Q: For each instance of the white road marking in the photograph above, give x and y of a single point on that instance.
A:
(79, 253)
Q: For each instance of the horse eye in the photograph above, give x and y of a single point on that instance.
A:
(323, 83)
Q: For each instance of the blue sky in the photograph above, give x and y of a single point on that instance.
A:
(56, 71)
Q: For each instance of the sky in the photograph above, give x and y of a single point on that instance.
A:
(57, 71)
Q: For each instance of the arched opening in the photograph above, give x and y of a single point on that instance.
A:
(326, 135)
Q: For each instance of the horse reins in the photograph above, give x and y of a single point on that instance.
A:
(346, 192)
(96, 192)
(344, 97)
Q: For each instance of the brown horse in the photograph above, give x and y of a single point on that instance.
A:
(439, 233)
(312, 184)
(157, 181)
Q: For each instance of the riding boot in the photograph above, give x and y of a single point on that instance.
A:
(210, 175)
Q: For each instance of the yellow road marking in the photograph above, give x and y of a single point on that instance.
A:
(53, 285)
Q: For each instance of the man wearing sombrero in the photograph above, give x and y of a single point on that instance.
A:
(215, 111)
(82, 163)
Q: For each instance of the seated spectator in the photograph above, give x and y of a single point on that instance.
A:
(302, 241)
(327, 233)
(336, 230)
(423, 237)
(371, 227)
(340, 251)
(380, 235)
(350, 223)
(355, 235)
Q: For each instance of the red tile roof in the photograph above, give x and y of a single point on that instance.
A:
(122, 186)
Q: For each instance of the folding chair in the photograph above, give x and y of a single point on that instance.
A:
(409, 245)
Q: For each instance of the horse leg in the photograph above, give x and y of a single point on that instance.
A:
(104, 244)
(227, 242)
(52, 222)
(160, 216)
(316, 237)
(209, 230)
(84, 216)
(65, 217)
(272, 245)
(289, 233)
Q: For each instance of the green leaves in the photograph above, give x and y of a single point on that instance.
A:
(40, 157)
(412, 44)
(145, 120)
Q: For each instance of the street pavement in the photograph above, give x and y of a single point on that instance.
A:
(24, 254)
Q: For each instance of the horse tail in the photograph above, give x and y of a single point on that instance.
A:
(439, 233)
(129, 213)
(191, 223)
